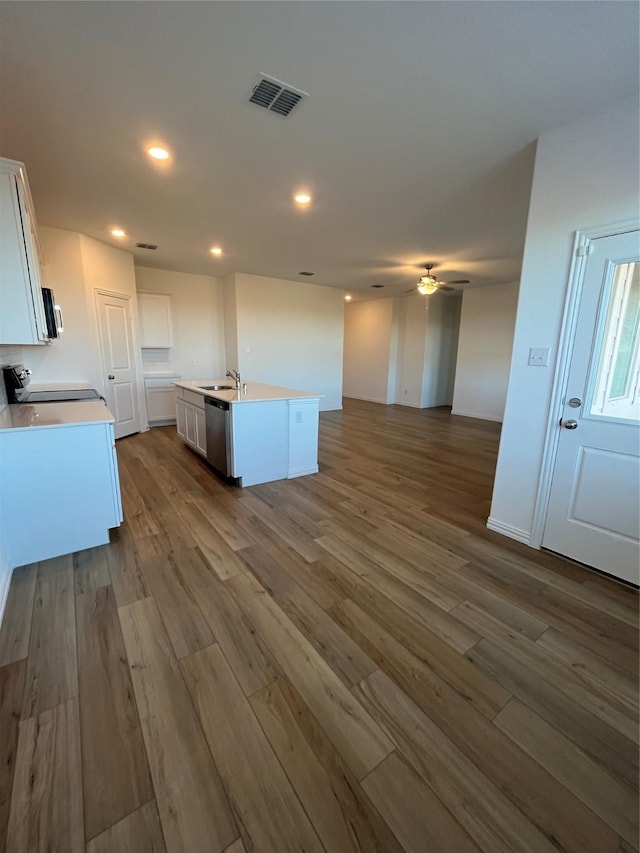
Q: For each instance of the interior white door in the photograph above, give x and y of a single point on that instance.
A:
(594, 507)
(118, 361)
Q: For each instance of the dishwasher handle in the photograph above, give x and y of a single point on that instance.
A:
(219, 404)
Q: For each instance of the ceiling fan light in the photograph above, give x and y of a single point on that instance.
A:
(426, 286)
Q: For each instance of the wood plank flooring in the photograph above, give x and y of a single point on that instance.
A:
(345, 662)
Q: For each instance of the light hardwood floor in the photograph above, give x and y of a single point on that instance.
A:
(345, 662)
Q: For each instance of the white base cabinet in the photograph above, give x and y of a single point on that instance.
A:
(190, 420)
(59, 490)
(160, 394)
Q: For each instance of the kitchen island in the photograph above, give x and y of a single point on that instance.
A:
(269, 433)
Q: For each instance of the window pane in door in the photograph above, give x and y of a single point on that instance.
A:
(616, 391)
(628, 346)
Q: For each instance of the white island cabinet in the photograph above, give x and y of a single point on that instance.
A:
(190, 421)
(59, 488)
(272, 431)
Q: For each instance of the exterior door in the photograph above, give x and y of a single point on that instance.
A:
(594, 507)
(118, 361)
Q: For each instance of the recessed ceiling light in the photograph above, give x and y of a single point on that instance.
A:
(302, 198)
(216, 250)
(117, 232)
(347, 298)
(158, 153)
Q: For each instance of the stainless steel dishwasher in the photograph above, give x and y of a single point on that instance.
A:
(217, 421)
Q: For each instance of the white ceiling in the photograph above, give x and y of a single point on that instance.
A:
(416, 141)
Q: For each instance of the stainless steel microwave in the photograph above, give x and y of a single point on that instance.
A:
(52, 313)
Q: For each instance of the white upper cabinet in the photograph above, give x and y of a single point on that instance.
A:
(155, 320)
(22, 318)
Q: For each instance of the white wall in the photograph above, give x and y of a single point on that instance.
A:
(487, 325)
(427, 342)
(401, 350)
(368, 336)
(412, 336)
(441, 350)
(290, 334)
(73, 356)
(74, 266)
(197, 320)
(230, 312)
(586, 175)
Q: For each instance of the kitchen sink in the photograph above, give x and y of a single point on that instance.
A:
(217, 387)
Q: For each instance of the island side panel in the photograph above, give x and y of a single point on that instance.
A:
(303, 437)
(259, 441)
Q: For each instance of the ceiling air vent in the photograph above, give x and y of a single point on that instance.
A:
(306, 273)
(146, 246)
(276, 96)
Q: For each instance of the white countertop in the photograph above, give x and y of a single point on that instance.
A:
(57, 386)
(256, 391)
(40, 415)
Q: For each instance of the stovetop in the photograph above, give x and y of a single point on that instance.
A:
(61, 396)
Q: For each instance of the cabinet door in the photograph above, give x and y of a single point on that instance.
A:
(22, 315)
(33, 259)
(155, 320)
(181, 419)
(201, 432)
(161, 404)
(190, 424)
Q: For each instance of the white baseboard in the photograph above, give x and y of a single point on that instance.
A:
(475, 415)
(366, 399)
(301, 472)
(508, 530)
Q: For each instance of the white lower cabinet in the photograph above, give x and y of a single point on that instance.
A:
(160, 394)
(59, 490)
(190, 424)
(201, 432)
(181, 419)
(190, 421)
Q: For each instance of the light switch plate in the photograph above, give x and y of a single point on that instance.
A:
(539, 356)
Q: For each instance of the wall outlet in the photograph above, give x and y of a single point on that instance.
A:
(247, 350)
(539, 356)
(298, 417)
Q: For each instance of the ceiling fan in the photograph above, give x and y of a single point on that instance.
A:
(428, 283)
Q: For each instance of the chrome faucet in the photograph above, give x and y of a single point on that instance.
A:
(235, 375)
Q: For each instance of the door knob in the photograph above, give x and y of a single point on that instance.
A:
(570, 424)
(111, 376)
